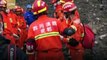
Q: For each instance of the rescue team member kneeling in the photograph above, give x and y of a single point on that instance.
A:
(74, 42)
(46, 32)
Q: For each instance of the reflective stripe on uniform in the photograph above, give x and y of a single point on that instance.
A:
(62, 1)
(82, 35)
(35, 13)
(42, 10)
(5, 25)
(11, 20)
(38, 3)
(74, 27)
(40, 36)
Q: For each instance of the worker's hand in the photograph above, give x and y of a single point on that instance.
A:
(30, 46)
(61, 37)
(73, 42)
(16, 36)
(19, 29)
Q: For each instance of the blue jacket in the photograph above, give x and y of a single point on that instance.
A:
(29, 17)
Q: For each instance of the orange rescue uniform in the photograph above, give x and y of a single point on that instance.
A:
(7, 28)
(22, 30)
(45, 31)
(77, 52)
(13, 21)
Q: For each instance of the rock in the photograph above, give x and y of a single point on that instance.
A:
(87, 0)
(79, 8)
(105, 23)
(101, 30)
(92, 5)
(98, 18)
(96, 42)
(94, 14)
(102, 36)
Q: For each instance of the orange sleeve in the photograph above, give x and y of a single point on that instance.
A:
(61, 27)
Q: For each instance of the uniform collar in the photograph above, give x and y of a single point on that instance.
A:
(42, 16)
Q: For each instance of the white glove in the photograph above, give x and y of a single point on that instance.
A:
(19, 29)
(61, 37)
(16, 36)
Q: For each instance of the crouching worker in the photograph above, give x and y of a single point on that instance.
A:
(10, 52)
(74, 41)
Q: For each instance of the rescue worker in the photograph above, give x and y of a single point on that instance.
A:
(22, 30)
(74, 41)
(18, 54)
(58, 8)
(58, 12)
(60, 16)
(22, 27)
(5, 25)
(13, 21)
(45, 31)
(28, 15)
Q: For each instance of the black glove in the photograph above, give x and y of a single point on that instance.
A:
(73, 42)
(30, 46)
(69, 31)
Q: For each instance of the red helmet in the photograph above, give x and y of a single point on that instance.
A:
(18, 9)
(53, 1)
(64, 1)
(69, 6)
(58, 8)
(39, 7)
(3, 3)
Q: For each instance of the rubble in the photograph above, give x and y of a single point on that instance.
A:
(102, 36)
